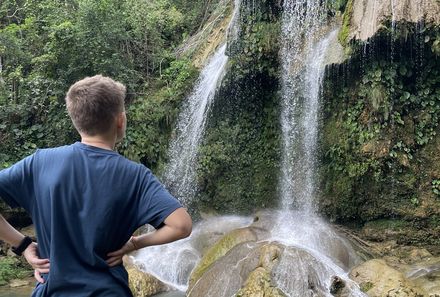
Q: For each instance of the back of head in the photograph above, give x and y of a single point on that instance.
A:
(93, 104)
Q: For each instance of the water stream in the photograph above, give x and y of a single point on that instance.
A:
(180, 172)
(301, 23)
(172, 263)
(303, 58)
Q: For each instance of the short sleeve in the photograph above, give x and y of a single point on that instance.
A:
(16, 184)
(155, 202)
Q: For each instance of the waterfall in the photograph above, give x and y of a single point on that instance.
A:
(181, 169)
(300, 94)
(303, 56)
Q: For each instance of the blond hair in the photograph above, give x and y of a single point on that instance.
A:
(93, 104)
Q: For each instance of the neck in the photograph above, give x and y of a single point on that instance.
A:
(99, 141)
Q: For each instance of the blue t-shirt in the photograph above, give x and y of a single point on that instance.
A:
(85, 202)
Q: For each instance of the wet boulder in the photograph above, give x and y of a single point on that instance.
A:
(143, 284)
(376, 278)
(219, 249)
(266, 269)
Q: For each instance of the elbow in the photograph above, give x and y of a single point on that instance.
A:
(181, 222)
(185, 225)
(186, 228)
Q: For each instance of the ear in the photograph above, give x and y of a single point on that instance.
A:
(121, 120)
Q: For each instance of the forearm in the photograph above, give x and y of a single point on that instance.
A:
(166, 234)
(9, 234)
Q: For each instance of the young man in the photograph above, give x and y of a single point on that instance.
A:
(86, 201)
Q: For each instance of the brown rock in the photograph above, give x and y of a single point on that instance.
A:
(15, 283)
(368, 16)
(143, 284)
(377, 279)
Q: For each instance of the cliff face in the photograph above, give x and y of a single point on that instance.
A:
(380, 138)
(369, 16)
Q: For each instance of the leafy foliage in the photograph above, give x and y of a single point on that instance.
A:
(45, 47)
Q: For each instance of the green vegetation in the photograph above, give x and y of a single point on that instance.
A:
(346, 17)
(381, 133)
(366, 286)
(12, 268)
(45, 47)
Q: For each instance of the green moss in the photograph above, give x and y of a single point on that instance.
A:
(259, 283)
(239, 157)
(379, 141)
(346, 19)
(366, 286)
(383, 224)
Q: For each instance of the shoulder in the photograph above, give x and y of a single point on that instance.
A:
(52, 153)
(53, 150)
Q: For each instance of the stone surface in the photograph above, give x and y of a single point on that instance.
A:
(426, 275)
(368, 15)
(29, 231)
(377, 279)
(219, 249)
(15, 283)
(227, 275)
(143, 284)
(259, 284)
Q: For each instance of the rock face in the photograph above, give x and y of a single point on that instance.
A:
(378, 277)
(263, 269)
(368, 15)
(220, 249)
(375, 278)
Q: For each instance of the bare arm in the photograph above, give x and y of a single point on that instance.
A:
(11, 236)
(178, 225)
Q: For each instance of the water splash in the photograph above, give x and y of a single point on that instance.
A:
(180, 172)
(320, 254)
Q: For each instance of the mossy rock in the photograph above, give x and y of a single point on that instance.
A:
(390, 276)
(13, 268)
(218, 250)
(143, 284)
(259, 284)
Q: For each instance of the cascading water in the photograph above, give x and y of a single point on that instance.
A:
(180, 172)
(301, 22)
(303, 59)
